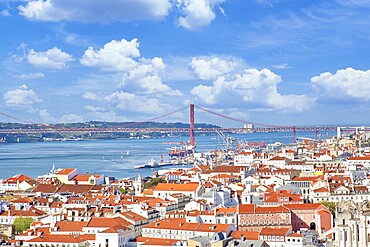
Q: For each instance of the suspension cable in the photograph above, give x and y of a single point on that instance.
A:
(238, 120)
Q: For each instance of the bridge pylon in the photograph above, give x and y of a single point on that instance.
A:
(191, 128)
(294, 137)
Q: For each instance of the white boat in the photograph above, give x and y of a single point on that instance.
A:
(151, 164)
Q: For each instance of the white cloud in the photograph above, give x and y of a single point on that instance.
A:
(207, 94)
(93, 109)
(344, 83)
(114, 56)
(91, 96)
(257, 88)
(30, 76)
(208, 68)
(21, 97)
(197, 13)
(120, 99)
(281, 66)
(97, 11)
(5, 12)
(123, 57)
(134, 103)
(71, 118)
(109, 116)
(147, 75)
(46, 116)
(53, 58)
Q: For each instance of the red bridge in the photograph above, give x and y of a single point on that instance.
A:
(33, 128)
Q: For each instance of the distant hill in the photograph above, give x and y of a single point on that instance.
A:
(41, 137)
(101, 124)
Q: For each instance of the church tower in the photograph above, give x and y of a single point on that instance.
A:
(138, 185)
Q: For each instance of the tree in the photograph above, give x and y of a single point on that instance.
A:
(123, 190)
(153, 182)
(21, 224)
(331, 206)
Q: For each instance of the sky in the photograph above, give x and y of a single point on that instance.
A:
(303, 62)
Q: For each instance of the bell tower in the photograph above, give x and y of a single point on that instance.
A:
(138, 185)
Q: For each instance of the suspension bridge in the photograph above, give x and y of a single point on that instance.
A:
(28, 127)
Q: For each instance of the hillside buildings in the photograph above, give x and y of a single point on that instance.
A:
(261, 198)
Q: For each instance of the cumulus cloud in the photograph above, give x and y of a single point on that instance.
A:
(208, 68)
(71, 118)
(197, 13)
(91, 96)
(46, 116)
(281, 66)
(344, 83)
(98, 11)
(110, 116)
(116, 55)
(139, 104)
(21, 97)
(253, 87)
(30, 76)
(93, 109)
(123, 57)
(147, 76)
(120, 99)
(53, 58)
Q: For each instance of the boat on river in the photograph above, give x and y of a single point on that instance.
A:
(184, 150)
(151, 164)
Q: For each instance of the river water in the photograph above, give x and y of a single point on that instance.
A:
(111, 157)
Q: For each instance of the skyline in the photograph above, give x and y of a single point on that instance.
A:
(275, 62)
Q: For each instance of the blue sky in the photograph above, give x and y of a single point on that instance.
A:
(269, 61)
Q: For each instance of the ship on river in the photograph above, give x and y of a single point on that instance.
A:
(184, 150)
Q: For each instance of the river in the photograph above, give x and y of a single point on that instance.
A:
(111, 157)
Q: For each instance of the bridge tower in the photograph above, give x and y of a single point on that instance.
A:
(294, 138)
(191, 129)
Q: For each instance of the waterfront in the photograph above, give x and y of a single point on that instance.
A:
(111, 157)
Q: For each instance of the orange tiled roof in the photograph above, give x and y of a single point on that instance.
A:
(176, 187)
(306, 206)
(66, 171)
(108, 222)
(156, 241)
(23, 200)
(70, 226)
(249, 235)
(32, 212)
(17, 178)
(274, 231)
(360, 158)
(261, 209)
(86, 177)
(132, 216)
(321, 190)
(306, 179)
